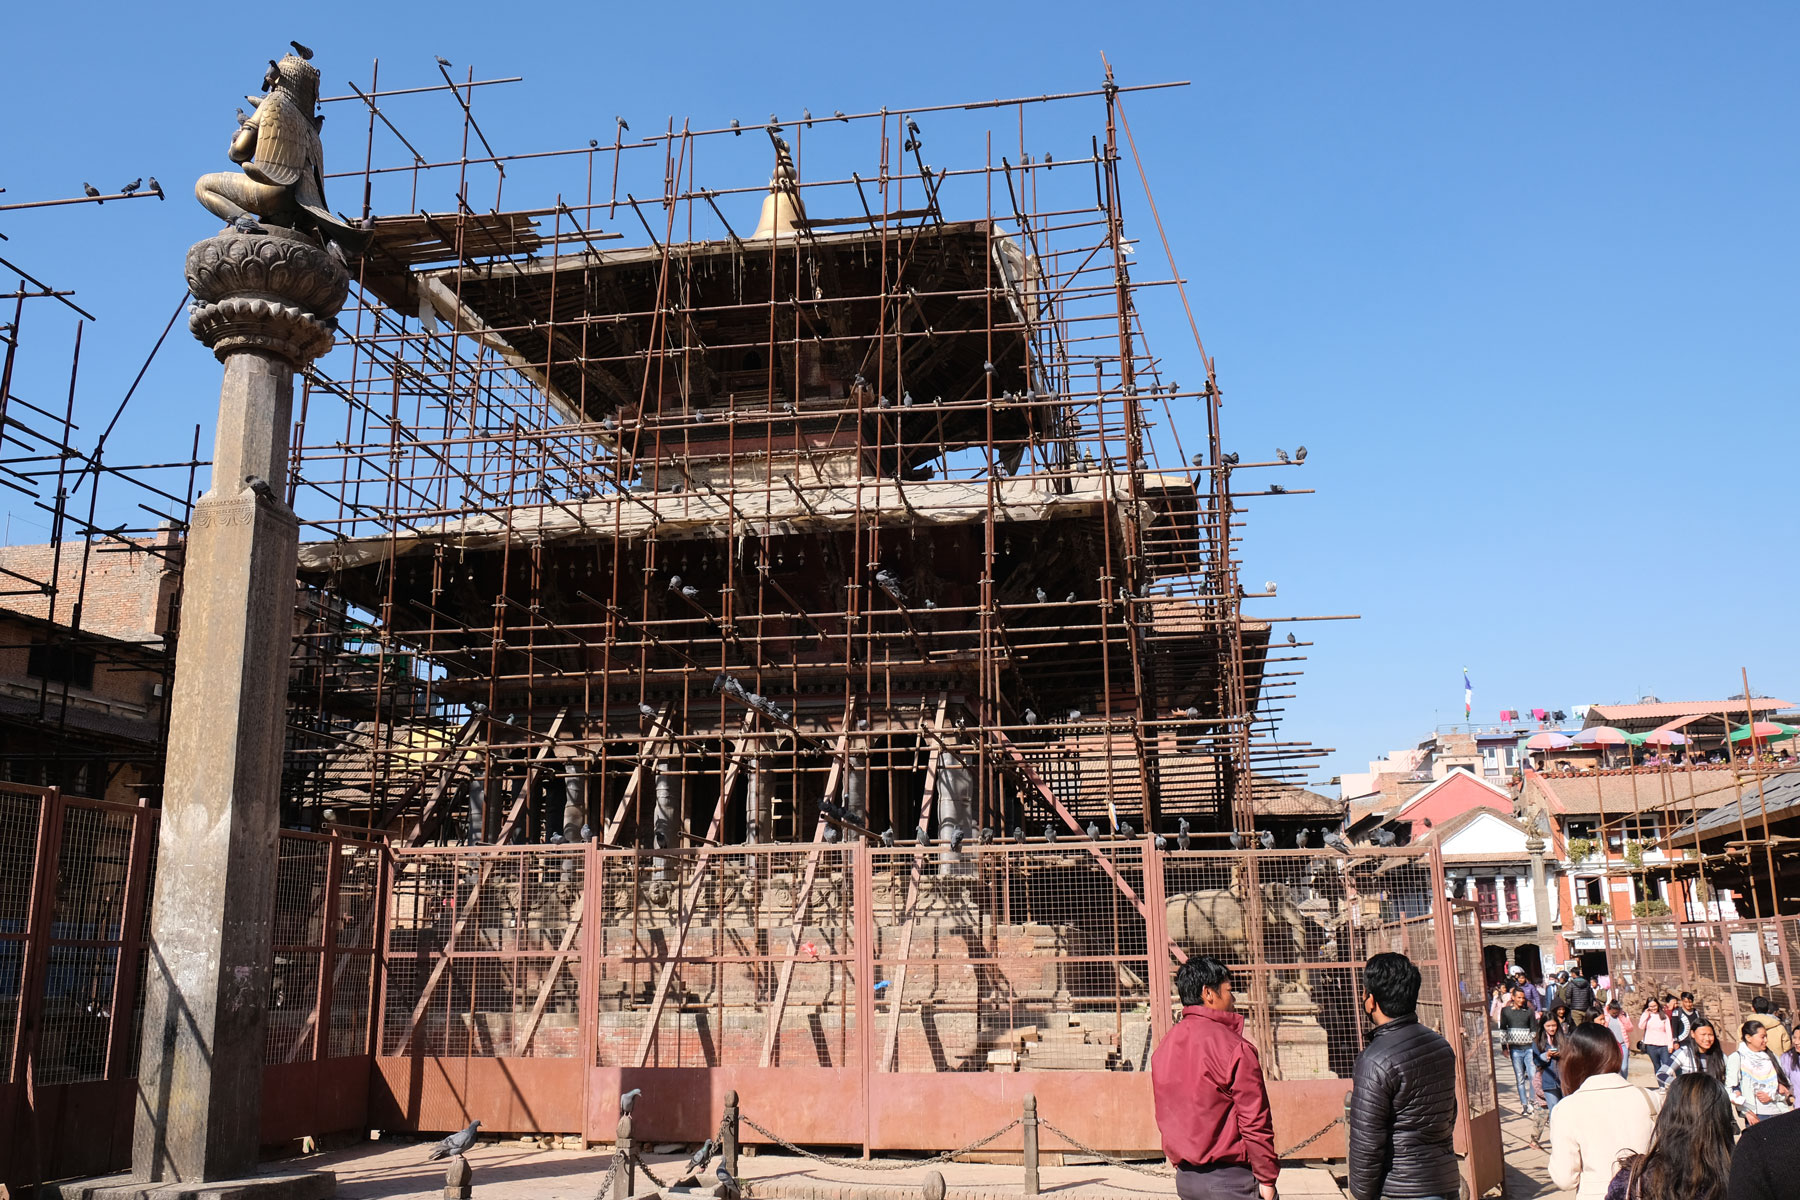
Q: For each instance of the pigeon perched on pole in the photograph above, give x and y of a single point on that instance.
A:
(91, 190)
(1266, 840)
(1093, 831)
(1237, 840)
(1181, 835)
(455, 1144)
(1050, 832)
(1281, 455)
(133, 186)
(1300, 454)
(628, 1100)
(1336, 842)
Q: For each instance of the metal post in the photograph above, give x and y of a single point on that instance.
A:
(728, 1147)
(1031, 1145)
(622, 1172)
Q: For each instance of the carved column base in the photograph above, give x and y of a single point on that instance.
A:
(275, 293)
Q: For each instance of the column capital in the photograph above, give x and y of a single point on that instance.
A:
(275, 292)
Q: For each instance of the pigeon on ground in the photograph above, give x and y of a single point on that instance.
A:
(702, 1156)
(1266, 840)
(628, 1100)
(455, 1144)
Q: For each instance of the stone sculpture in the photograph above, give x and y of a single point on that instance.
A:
(283, 176)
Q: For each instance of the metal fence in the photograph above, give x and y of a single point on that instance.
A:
(1725, 963)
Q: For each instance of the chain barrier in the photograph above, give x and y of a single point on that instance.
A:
(910, 1164)
(1289, 1152)
(1160, 1172)
(606, 1180)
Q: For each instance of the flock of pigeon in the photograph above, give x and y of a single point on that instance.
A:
(460, 1142)
(95, 194)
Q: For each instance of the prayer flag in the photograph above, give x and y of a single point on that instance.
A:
(1468, 695)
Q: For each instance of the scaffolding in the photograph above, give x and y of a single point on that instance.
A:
(870, 520)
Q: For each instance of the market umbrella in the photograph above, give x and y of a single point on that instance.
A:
(1602, 735)
(1765, 731)
(1664, 737)
(1547, 741)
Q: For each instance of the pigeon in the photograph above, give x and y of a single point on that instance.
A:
(1237, 840)
(1269, 586)
(1181, 836)
(988, 368)
(272, 76)
(1191, 713)
(736, 129)
(455, 1144)
(260, 486)
(1162, 843)
(887, 838)
(1266, 840)
(1074, 715)
(689, 592)
(727, 1181)
(593, 143)
(1069, 599)
(1231, 458)
(1050, 832)
(1125, 829)
(1199, 460)
(91, 190)
(1275, 489)
(906, 400)
(1093, 831)
(701, 1156)
(884, 402)
(986, 836)
(830, 834)
(442, 61)
(133, 186)
(556, 839)
(806, 115)
(839, 114)
(587, 833)
(1018, 833)
(303, 51)
(644, 710)
(956, 839)
(1031, 717)
(1300, 454)
(1042, 596)
(1383, 837)
(242, 118)
(1336, 842)
(629, 1100)
(156, 188)
(1291, 639)
(1281, 455)
(623, 124)
(1300, 840)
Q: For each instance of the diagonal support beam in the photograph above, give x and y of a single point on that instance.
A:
(891, 1041)
(522, 1044)
(803, 898)
(446, 759)
(1036, 781)
(690, 901)
(659, 729)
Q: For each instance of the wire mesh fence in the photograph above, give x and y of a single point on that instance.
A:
(20, 812)
(1726, 964)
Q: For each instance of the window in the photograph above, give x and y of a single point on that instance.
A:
(1513, 911)
(1644, 830)
(61, 664)
(1486, 901)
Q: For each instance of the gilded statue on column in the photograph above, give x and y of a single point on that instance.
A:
(282, 181)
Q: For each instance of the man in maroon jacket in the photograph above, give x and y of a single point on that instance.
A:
(1211, 1105)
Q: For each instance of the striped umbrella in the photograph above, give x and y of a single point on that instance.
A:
(1602, 735)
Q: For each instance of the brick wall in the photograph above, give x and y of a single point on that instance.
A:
(127, 594)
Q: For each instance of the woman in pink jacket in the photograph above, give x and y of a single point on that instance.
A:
(1658, 1039)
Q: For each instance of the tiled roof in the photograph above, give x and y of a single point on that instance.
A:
(1616, 793)
(1664, 712)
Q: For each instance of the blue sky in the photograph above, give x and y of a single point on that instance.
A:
(1521, 277)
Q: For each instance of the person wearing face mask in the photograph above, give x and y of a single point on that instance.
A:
(1758, 1086)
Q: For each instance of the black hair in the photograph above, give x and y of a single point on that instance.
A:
(1690, 1148)
(1394, 982)
(1759, 1004)
(1687, 995)
(1710, 1061)
(1194, 976)
(1588, 1050)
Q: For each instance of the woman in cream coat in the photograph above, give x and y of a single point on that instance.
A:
(1601, 1117)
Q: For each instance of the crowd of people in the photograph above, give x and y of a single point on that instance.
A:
(1716, 1125)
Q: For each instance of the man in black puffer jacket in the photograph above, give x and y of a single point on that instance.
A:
(1403, 1100)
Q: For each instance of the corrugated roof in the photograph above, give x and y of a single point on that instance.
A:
(1779, 797)
(1663, 712)
(1620, 792)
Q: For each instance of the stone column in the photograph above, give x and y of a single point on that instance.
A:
(263, 303)
(1540, 899)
